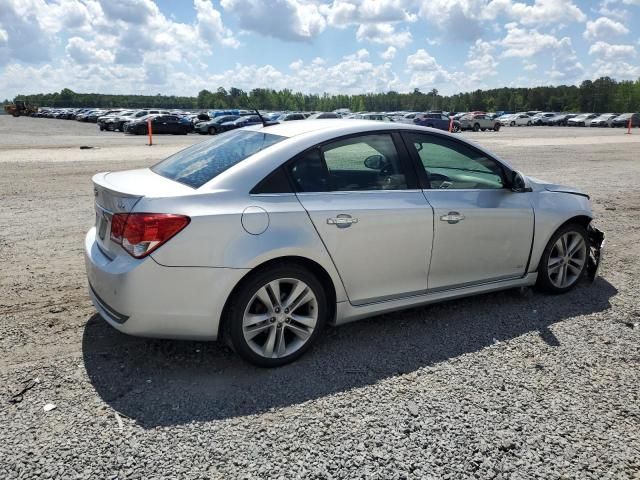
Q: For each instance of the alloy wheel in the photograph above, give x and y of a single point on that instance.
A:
(280, 318)
(567, 259)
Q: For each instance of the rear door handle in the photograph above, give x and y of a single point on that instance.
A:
(341, 221)
(452, 217)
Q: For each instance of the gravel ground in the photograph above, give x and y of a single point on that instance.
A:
(511, 385)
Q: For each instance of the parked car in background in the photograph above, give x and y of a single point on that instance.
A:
(433, 120)
(115, 122)
(541, 118)
(262, 237)
(560, 119)
(603, 120)
(380, 117)
(140, 114)
(243, 121)
(623, 120)
(478, 121)
(517, 120)
(160, 124)
(213, 126)
(288, 117)
(581, 119)
(323, 115)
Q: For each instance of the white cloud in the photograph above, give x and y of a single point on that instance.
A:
(481, 62)
(383, 33)
(425, 70)
(348, 12)
(137, 12)
(292, 20)
(544, 12)
(210, 26)
(389, 53)
(520, 42)
(608, 51)
(85, 52)
(604, 27)
(565, 66)
(467, 20)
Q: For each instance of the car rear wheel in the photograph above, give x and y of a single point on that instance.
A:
(564, 259)
(476, 127)
(529, 123)
(276, 315)
(212, 130)
(496, 127)
(513, 124)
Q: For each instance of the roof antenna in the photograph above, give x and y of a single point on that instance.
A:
(264, 122)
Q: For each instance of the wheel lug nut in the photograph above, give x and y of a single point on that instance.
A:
(273, 319)
(286, 310)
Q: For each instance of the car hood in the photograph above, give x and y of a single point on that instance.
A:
(555, 187)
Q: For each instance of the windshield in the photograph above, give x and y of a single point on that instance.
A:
(200, 163)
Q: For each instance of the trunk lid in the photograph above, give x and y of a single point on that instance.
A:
(119, 192)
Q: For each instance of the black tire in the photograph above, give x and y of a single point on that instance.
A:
(496, 127)
(455, 128)
(483, 129)
(476, 127)
(233, 319)
(529, 123)
(544, 281)
(513, 124)
(212, 130)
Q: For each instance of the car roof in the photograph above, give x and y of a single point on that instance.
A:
(332, 127)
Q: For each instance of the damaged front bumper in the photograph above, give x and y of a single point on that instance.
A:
(596, 250)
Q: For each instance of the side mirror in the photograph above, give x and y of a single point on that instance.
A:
(519, 183)
(374, 162)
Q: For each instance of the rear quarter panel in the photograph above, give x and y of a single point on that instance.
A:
(216, 236)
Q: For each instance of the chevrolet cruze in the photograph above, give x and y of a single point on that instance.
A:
(263, 235)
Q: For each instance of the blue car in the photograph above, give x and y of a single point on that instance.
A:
(433, 120)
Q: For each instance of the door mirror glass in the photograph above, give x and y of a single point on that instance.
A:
(374, 162)
(519, 183)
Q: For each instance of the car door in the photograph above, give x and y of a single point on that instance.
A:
(483, 230)
(363, 198)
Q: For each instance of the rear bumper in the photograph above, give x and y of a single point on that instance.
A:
(144, 298)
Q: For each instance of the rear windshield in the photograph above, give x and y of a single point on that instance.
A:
(198, 164)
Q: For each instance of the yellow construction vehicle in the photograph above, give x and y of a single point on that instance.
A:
(20, 108)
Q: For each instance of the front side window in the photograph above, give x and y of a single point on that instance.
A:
(366, 162)
(201, 162)
(453, 165)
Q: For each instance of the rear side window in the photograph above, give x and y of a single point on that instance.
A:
(364, 162)
(202, 162)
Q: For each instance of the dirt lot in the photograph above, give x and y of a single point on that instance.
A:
(499, 386)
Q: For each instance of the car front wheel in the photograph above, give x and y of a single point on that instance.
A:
(564, 259)
(476, 127)
(276, 315)
(496, 127)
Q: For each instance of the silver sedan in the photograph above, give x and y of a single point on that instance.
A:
(262, 236)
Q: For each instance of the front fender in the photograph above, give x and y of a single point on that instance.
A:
(552, 210)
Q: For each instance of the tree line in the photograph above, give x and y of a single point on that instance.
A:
(602, 95)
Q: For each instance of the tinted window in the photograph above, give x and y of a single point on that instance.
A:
(198, 164)
(452, 165)
(367, 162)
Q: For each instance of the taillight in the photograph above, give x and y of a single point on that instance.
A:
(141, 233)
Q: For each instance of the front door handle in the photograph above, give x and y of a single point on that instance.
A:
(341, 221)
(452, 217)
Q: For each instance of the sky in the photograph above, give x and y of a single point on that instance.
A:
(180, 47)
